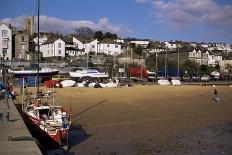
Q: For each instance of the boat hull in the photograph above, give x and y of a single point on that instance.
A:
(46, 141)
(22, 74)
(80, 75)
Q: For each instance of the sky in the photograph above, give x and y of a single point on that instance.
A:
(186, 20)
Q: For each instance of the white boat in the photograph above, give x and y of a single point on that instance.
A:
(68, 83)
(43, 72)
(163, 82)
(175, 82)
(81, 72)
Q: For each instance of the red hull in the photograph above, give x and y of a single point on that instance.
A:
(48, 141)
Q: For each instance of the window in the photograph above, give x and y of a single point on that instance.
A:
(108, 45)
(4, 43)
(4, 33)
(22, 38)
(116, 46)
(93, 46)
(4, 51)
(59, 45)
(59, 52)
(23, 47)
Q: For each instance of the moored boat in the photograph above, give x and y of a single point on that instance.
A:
(43, 72)
(49, 123)
(81, 72)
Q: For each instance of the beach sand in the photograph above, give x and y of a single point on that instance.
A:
(144, 120)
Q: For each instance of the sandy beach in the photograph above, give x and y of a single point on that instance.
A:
(150, 119)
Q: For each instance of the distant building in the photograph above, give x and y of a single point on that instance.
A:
(130, 57)
(5, 42)
(110, 47)
(29, 25)
(143, 43)
(91, 47)
(170, 45)
(21, 46)
(53, 47)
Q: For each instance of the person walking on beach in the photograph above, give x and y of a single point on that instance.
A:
(216, 97)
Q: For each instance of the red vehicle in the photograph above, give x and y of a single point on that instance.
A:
(52, 83)
(138, 72)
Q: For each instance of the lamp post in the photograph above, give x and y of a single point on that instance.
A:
(156, 64)
(178, 72)
(3, 69)
(165, 69)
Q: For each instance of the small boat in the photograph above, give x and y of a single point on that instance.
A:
(43, 72)
(93, 73)
(68, 83)
(175, 82)
(49, 123)
(163, 82)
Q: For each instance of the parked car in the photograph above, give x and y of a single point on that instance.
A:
(205, 78)
(186, 78)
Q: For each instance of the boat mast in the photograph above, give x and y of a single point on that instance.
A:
(37, 82)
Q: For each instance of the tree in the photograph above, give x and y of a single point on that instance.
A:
(190, 66)
(229, 68)
(98, 35)
(150, 62)
(217, 67)
(204, 69)
(84, 32)
(110, 35)
(138, 50)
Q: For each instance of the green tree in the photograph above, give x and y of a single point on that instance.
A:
(110, 35)
(229, 68)
(204, 69)
(98, 35)
(217, 67)
(150, 62)
(138, 50)
(190, 66)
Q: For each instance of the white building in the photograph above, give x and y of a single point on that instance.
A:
(143, 43)
(5, 42)
(91, 47)
(205, 57)
(78, 43)
(54, 47)
(170, 45)
(110, 47)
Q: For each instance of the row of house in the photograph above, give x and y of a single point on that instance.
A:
(20, 45)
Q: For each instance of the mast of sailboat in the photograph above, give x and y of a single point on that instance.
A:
(178, 61)
(37, 78)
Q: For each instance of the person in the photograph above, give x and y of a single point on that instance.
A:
(216, 97)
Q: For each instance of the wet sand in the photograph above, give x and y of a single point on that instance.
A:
(144, 120)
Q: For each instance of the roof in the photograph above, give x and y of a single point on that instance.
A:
(51, 40)
(107, 41)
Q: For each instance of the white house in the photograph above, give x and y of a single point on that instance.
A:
(170, 45)
(78, 43)
(5, 42)
(53, 47)
(199, 56)
(91, 47)
(110, 47)
(205, 57)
